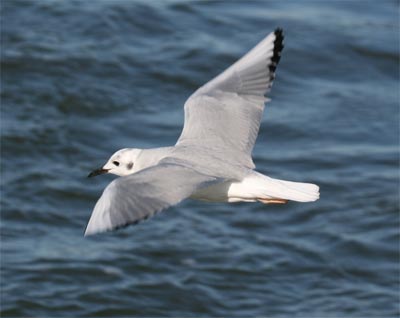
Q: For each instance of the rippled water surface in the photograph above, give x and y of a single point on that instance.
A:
(81, 79)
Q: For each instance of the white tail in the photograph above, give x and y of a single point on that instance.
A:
(288, 190)
(262, 188)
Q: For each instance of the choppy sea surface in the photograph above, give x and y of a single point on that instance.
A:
(82, 79)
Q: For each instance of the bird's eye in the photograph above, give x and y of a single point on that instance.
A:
(116, 163)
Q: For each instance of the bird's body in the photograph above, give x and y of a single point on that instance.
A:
(240, 183)
(211, 160)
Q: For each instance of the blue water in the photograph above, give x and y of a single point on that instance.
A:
(82, 79)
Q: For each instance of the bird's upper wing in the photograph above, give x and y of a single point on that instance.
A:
(226, 112)
(136, 197)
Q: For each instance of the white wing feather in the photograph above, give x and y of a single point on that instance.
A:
(226, 112)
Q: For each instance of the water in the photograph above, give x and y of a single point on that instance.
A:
(81, 79)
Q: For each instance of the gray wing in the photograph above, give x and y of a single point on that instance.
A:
(136, 197)
(226, 112)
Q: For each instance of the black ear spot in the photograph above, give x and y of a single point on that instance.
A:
(129, 165)
(116, 163)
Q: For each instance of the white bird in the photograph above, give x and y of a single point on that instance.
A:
(211, 160)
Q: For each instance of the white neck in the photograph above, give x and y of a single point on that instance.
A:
(150, 157)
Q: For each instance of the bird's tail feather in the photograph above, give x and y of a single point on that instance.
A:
(289, 190)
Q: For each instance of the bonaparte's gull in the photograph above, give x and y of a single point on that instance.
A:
(211, 160)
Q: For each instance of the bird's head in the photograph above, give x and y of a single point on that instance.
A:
(121, 163)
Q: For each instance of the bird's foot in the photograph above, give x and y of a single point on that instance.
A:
(271, 201)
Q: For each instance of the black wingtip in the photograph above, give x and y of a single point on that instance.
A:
(278, 47)
(278, 31)
(279, 37)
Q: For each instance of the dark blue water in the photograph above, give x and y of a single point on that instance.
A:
(81, 79)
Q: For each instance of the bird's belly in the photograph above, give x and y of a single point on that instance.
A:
(225, 192)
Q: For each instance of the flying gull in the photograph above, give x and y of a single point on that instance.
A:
(211, 161)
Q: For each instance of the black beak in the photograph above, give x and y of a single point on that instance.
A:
(97, 172)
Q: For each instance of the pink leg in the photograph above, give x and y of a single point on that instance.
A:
(270, 201)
